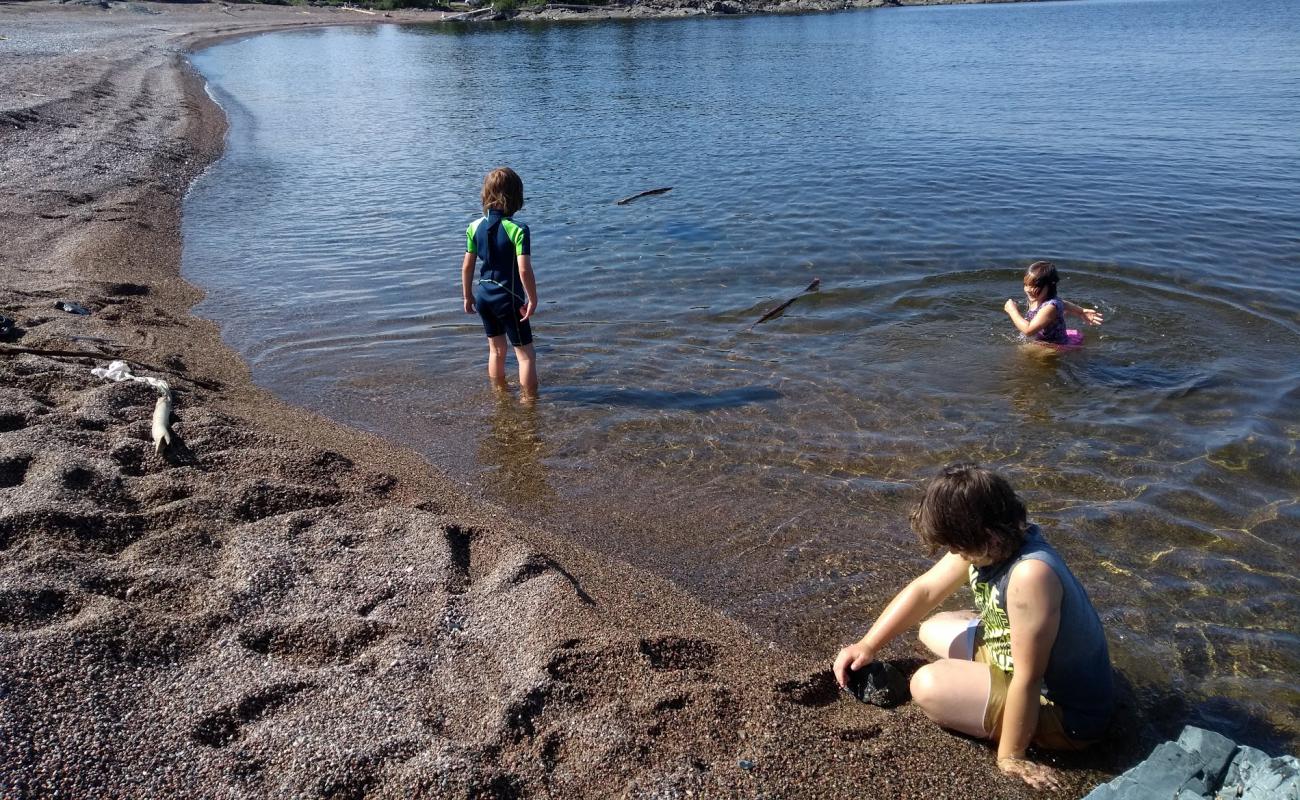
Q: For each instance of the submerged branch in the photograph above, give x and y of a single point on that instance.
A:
(779, 310)
(646, 193)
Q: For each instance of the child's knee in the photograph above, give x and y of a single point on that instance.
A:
(497, 346)
(925, 688)
(929, 629)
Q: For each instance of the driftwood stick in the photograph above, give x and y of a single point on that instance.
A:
(779, 310)
(10, 350)
(7, 350)
(646, 193)
(468, 15)
(99, 340)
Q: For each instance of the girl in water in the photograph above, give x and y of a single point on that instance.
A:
(1045, 321)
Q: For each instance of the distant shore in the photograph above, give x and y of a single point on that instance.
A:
(283, 606)
(643, 9)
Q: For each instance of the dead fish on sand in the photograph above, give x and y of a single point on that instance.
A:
(162, 414)
(646, 193)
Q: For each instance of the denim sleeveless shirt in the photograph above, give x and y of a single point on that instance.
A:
(1078, 676)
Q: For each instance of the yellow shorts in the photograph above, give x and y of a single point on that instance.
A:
(1050, 733)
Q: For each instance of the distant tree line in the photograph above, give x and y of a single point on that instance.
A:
(391, 5)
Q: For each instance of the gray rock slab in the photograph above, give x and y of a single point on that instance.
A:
(1243, 763)
(1215, 751)
(1106, 791)
(1166, 771)
(1203, 765)
(1275, 779)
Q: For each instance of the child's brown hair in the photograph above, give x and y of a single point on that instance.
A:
(1042, 275)
(503, 190)
(971, 511)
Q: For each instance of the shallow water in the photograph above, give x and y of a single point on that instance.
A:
(912, 159)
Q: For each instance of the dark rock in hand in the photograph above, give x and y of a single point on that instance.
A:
(880, 684)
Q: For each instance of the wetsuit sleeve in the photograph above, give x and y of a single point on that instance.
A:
(470, 247)
(521, 239)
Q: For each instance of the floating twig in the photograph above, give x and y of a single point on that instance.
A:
(779, 310)
(646, 193)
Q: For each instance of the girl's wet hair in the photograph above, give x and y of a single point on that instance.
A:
(1042, 275)
(503, 190)
(972, 511)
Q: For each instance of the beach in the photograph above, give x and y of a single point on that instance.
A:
(283, 606)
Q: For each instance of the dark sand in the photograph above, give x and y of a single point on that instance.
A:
(287, 608)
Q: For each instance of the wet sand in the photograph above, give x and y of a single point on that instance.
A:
(286, 607)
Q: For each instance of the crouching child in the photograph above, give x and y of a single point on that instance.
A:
(1030, 665)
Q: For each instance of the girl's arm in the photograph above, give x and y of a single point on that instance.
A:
(1046, 313)
(907, 608)
(1091, 315)
(467, 281)
(530, 285)
(1034, 613)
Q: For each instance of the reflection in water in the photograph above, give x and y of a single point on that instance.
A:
(512, 450)
(683, 400)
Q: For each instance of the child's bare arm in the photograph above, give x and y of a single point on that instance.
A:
(1091, 315)
(467, 281)
(530, 285)
(1034, 613)
(1046, 313)
(919, 598)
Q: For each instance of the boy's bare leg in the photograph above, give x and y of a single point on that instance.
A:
(497, 361)
(954, 693)
(527, 370)
(947, 634)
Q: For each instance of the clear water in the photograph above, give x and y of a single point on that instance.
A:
(915, 160)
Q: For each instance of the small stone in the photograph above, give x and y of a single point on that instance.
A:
(745, 764)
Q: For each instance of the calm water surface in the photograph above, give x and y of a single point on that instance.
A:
(913, 159)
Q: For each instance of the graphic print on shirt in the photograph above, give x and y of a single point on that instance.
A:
(997, 628)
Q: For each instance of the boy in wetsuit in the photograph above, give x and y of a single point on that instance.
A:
(505, 294)
(1032, 666)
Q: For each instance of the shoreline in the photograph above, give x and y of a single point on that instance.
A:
(290, 606)
(676, 9)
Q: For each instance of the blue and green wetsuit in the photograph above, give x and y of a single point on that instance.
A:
(499, 294)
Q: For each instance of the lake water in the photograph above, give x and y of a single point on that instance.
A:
(915, 160)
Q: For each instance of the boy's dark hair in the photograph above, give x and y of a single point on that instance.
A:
(970, 510)
(1042, 275)
(503, 190)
